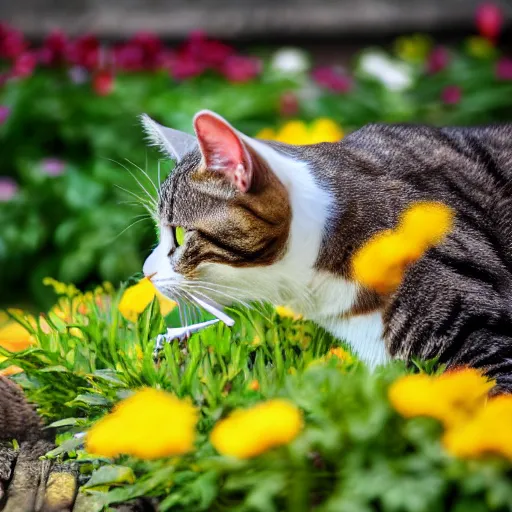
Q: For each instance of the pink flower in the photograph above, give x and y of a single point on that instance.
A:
(12, 42)
(489, 20)
(237, 68)
(149, 43)
(54, 49)
(504, 69)
(84, 52)
(438, 60)
(183, 67)
(8, 188)
(24, 65)
(451, 94)
(5, 112)
(209, 52)
(53, 166)
(332, 79)
(103, 82)
(129, 57)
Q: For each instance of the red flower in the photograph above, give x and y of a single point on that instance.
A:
(129, 57)
(54, 49)
(451, 94)
(85, 52)
(489, 20)
(24, 65)
(149, 43)
(504, 69)
(331, 79)
(209, 52)
(438, 60)
(12, 42)
(241, 69)
(103, 82)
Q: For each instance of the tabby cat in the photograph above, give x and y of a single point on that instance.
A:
(266, 221)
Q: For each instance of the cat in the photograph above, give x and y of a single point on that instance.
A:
(267, 221)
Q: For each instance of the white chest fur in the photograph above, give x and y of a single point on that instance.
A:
(364, 335)
(332, 298)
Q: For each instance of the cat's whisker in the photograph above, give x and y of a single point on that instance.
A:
(231, 297)
(152, 200)
(142, 201)
(145, 217)
(144, 172)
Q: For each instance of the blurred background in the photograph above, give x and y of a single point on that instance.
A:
(75, 174)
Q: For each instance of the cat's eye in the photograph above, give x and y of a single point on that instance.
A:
(179, 235)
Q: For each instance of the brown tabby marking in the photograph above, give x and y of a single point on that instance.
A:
(224, 225)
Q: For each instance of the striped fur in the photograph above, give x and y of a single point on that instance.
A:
(291, 237)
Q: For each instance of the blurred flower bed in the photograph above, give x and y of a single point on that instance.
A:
(72, 150)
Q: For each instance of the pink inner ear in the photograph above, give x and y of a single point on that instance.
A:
(222, 150)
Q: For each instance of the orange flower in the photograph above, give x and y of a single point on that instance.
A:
(254, 385)
(14, 337)
(381, 262)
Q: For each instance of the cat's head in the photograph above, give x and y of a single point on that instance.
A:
(239, 220)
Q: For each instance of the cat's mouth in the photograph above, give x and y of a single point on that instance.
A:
(184, 296)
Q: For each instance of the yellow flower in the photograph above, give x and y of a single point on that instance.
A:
(413, 48)
(341, 354)
(251, 432)
(69, 290)
(480, 47)
(489, 431)
(14, 337)
(267, 134)
(286, 312)
(381, 262)
(299, 133)
(450, 398)
(149, 424)
(136, 298)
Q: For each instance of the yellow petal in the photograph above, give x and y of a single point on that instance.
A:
(250, 432)
(325, 130)
(266, 134)
(294, 132)
(137, 297)
(14, 337)
(150, 424)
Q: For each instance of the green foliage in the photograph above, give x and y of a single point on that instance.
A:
(354, 454)
(74, 226)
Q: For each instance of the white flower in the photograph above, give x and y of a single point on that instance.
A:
(395, 75)
(290, 61)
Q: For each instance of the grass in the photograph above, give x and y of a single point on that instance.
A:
(355, 452)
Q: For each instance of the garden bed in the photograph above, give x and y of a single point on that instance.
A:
(272, 414)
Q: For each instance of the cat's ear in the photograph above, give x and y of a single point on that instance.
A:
(223, 150)
(174, 143)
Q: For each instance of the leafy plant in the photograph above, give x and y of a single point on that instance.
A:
(354, 453)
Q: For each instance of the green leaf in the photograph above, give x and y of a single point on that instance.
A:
(110, 475)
